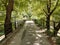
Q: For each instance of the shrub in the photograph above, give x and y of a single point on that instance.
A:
(58, 41)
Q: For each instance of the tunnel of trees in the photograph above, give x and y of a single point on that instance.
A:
(45, 13)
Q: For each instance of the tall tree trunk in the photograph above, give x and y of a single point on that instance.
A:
(49, 12)
(8, 24)
(48, 22)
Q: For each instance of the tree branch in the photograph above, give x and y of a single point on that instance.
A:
(54, 7)
(45, 12)
(48, 5)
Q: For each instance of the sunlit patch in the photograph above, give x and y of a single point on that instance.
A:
(39, 35)
(37, 31)
(36, 44)
(2, 37)
(28, 42)
(40, 31)
(29, 22)
(58, 34)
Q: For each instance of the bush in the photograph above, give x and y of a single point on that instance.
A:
(50, 33)
(58, 41)
(40, 23)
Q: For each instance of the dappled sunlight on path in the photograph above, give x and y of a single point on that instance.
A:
(33, 36)
(29, 35)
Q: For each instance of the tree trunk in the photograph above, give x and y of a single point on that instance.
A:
(8, 24)
(48, 22)
(56, 29)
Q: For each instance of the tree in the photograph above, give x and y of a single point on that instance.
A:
(49, 12)
(56, 28)
(8, 24)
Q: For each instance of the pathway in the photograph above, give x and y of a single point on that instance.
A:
(34, 36)
(29, 35)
